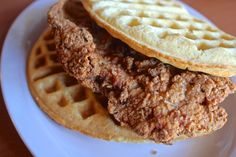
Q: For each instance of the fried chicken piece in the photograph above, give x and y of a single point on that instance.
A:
(157, 101)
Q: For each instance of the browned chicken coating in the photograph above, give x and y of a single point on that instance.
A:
(157, 101)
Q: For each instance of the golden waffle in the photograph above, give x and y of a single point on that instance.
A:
(164, 30)
(64, 100)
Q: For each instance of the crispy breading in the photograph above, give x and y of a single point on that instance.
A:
(156, 100)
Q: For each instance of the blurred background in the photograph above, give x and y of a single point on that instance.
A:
(220, 12)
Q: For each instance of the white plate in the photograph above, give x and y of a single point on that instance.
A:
(47, 139)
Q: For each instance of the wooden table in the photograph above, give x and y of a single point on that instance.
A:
(221, 12)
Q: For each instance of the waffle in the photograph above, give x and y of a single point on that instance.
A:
(65, 101)
(163, 29)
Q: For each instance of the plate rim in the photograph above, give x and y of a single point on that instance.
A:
(2, 80)
(33, 151)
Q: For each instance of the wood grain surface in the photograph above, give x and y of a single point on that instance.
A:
(221, 12)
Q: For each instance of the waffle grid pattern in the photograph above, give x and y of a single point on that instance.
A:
(67, 102)
(165, 23)
(54, 82)
(165, 30)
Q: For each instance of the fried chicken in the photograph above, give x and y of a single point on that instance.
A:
(157, 101)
